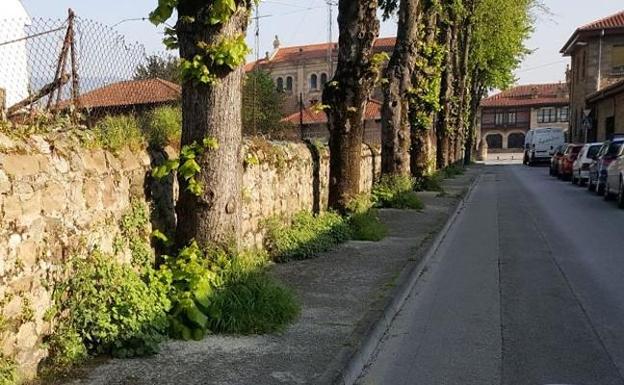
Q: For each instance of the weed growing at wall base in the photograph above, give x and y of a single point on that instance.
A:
(396, 191)
(306, 235)
(221, 291)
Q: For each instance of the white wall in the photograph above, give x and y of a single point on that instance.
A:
(14, 76)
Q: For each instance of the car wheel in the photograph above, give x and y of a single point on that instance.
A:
(620, 196)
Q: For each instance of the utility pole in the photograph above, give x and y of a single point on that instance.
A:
(330, 38)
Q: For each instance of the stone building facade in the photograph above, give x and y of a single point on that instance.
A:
(301, 71)
(506, 117)
(596, 51)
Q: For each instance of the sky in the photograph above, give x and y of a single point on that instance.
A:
(306, 21)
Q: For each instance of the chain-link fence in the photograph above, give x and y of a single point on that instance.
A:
(78, 66)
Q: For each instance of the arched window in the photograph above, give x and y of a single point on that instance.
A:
(323, 79)
(280, 84)
(289, 83)
(313, 82)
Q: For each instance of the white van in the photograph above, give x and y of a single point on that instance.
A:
(540, 143)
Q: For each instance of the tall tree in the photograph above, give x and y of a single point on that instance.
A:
(497, 46)
(211, 40)
(425, 95)
(395, 122)
(443, 118)
(347, 95)
(262, 105)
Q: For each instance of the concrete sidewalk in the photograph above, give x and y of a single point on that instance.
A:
(343, 293)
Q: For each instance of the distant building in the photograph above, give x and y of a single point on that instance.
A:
(597, 64)
(14, 74)
(312, 124)
(128, 97)
(507, 116)
(304, 70)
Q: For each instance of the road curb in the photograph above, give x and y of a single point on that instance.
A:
(357, 360)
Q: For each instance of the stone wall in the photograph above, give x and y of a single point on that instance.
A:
(56, 199)
(281, 181)
(59, 200)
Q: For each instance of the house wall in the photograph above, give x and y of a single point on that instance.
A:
(14, 73)
(536, 124)
(584, 76)
(606, 108)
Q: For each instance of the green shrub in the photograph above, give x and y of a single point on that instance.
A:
(452, 171)
(111, 309)
(163, 126)
(8, 371)
(431, 182)
(396, 191)
(66, 348)
(408, 200)
(366, 226)
(115, 132)
(218, 291)
(306, 235)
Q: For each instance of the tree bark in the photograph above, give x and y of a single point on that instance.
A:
(395, 124)
(347, 95)
(443, 120)
(212, 111)
(422, 149)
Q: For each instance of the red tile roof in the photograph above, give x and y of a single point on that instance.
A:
(530, 95)
(311, 116)
(613, 21)
(609, 24)
(130, 93)
(314, 51)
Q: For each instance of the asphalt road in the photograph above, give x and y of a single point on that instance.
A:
(526, 289)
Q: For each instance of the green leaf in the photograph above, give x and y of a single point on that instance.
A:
(189, 169)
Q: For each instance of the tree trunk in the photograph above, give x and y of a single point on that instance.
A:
(422, 149)
(212, 111)
(347, 95)
(395, 154)
(443, 124)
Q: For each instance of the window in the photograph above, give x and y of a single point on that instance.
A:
(289, 84)
(280, 84)
(564, 114)
(618, 59)
(547, 115)
(323, 79)
(500, 118)
(313, 82)
(511, 118)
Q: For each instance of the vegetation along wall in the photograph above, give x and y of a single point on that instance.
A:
(62, 199)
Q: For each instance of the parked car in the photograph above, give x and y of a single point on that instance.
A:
(580, 168)
(614, 185)
(540, 144)
(594, 166)
(566, 162)
(556, 158)
(598, 169)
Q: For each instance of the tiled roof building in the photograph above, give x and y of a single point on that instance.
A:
(507, 116)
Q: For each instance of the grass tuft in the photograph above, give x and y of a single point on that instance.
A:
(396, 191)
(305, 236)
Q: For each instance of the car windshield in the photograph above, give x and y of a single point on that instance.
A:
(593, 151)
(614, 148)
